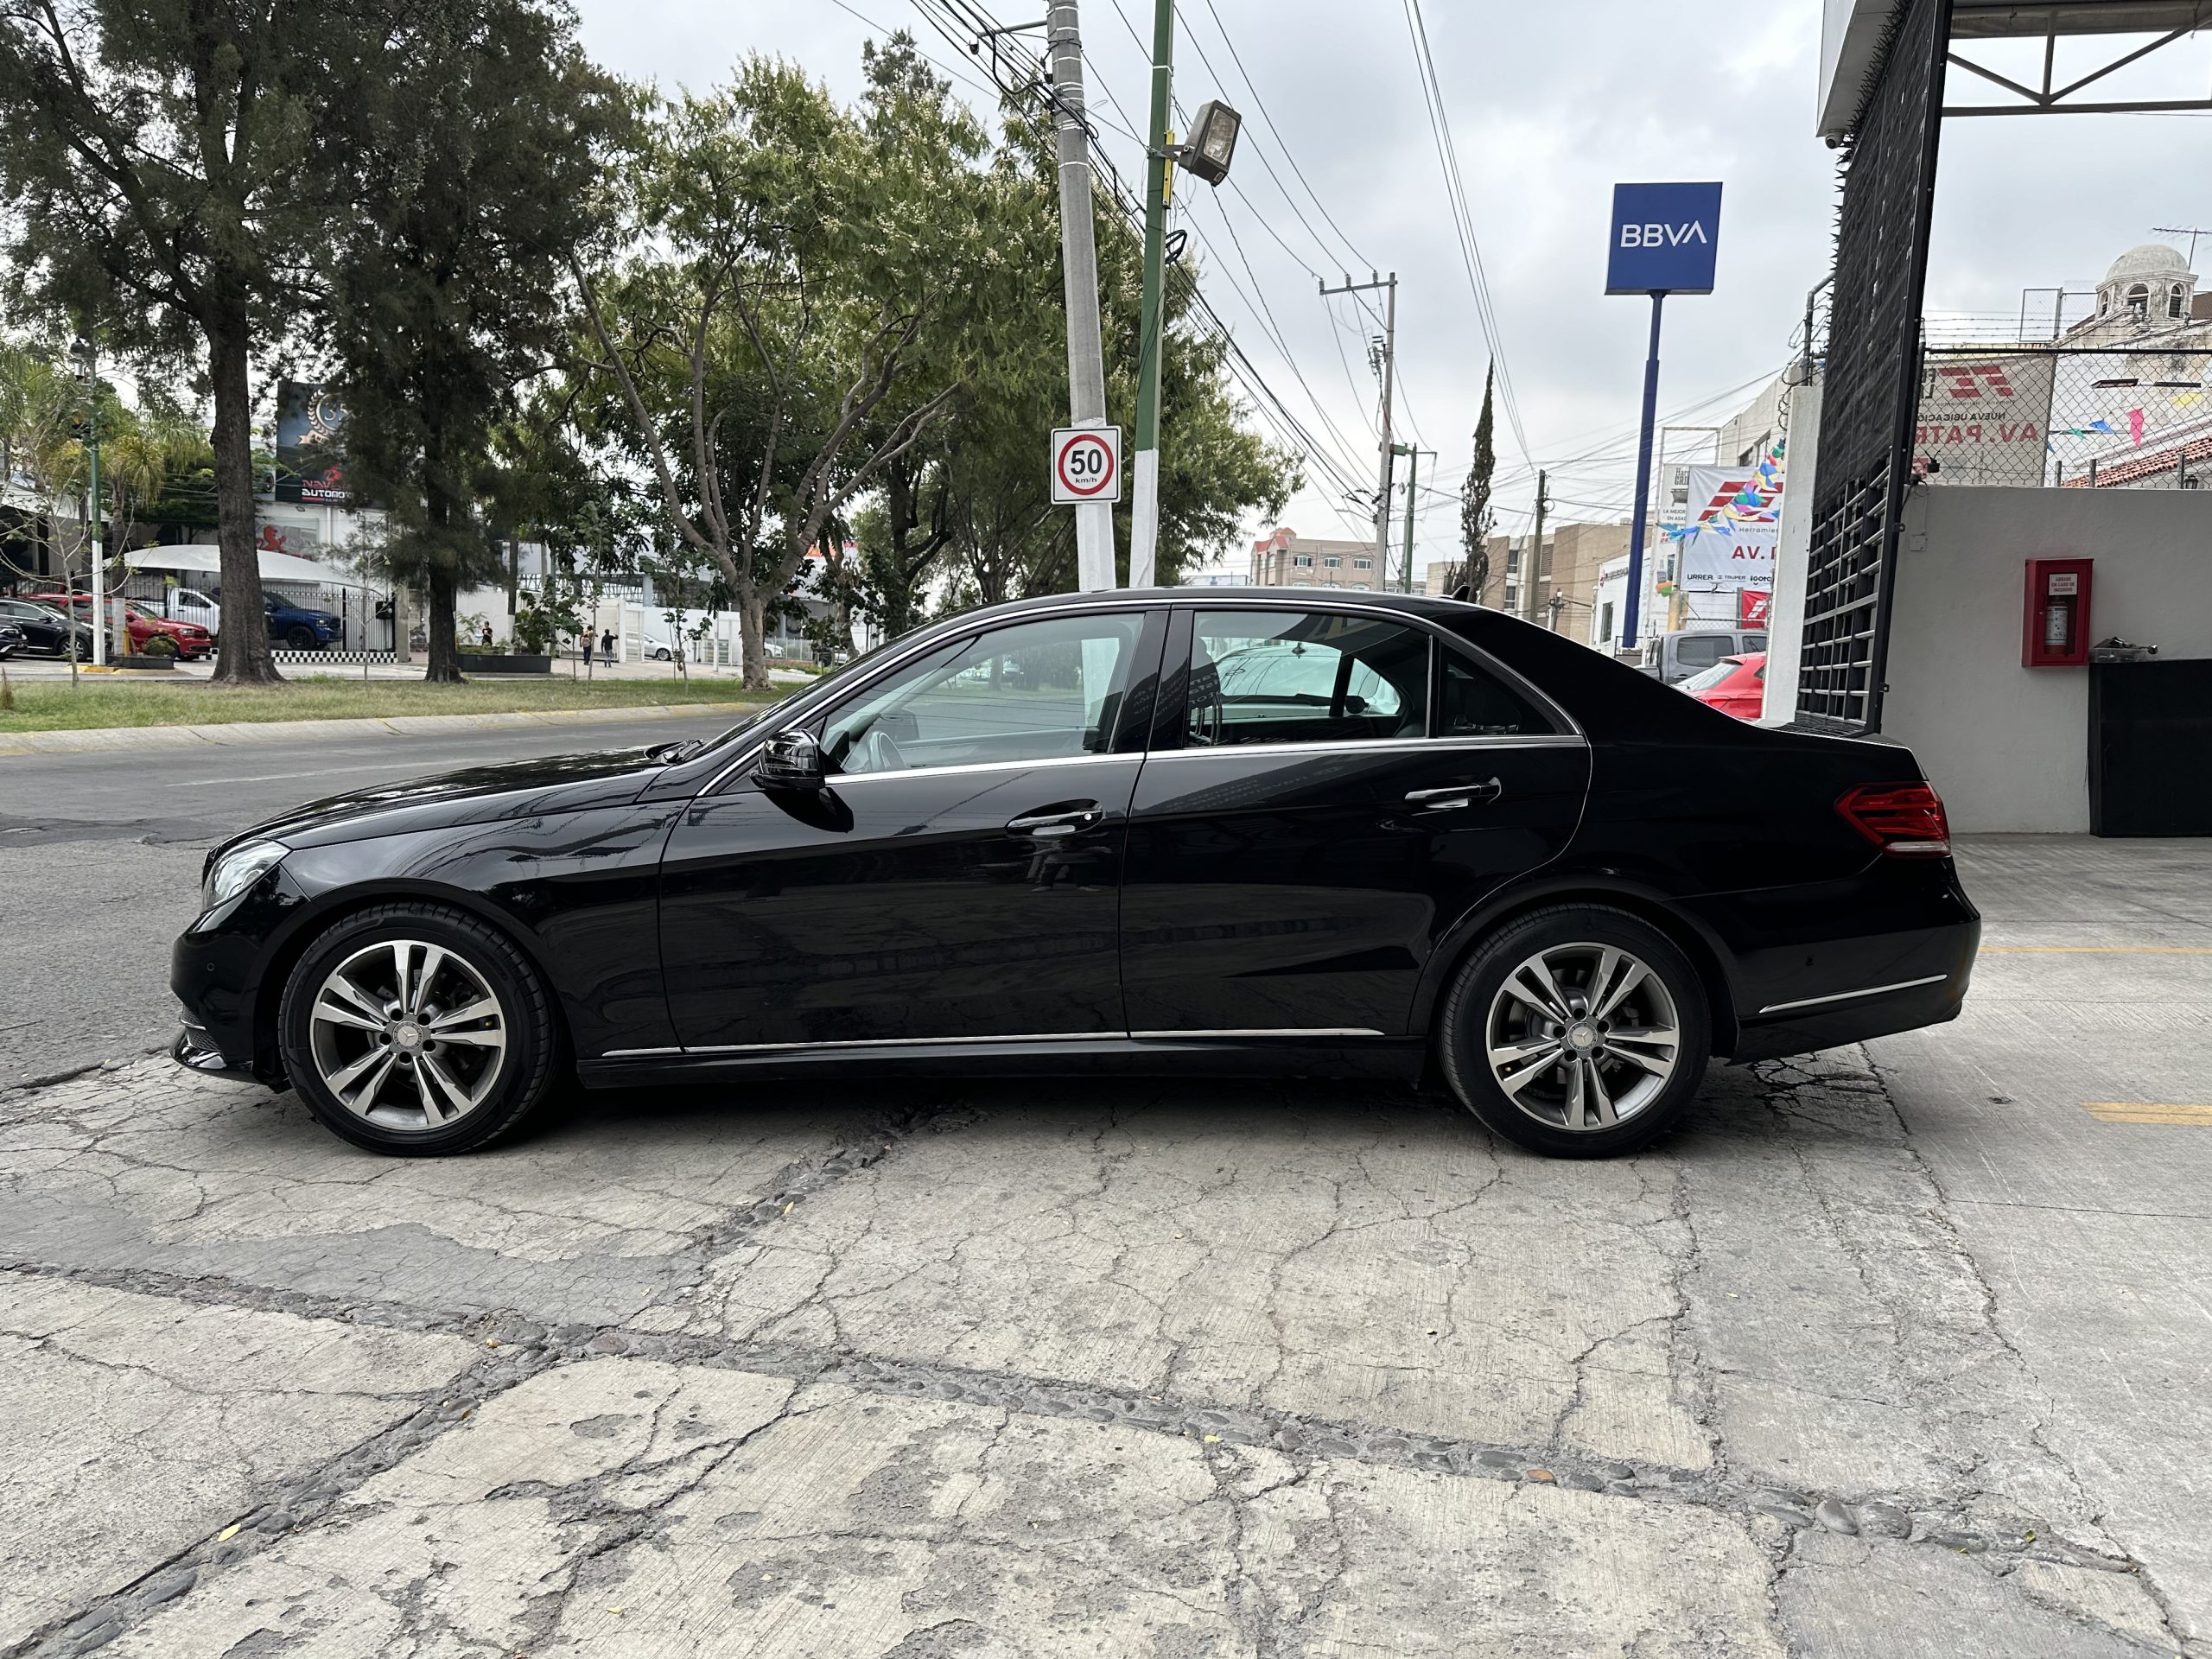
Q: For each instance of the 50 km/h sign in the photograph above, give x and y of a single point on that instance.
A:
(1086, 465)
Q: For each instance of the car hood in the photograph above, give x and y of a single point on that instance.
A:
(476, 795)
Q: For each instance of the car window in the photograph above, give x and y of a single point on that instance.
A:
(1699, 650)
(1717, 675)
(1472, 701)
(1030, 691)
(1304, 677)
(1754, 642)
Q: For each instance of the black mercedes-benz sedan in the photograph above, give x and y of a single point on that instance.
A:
(1254, 831)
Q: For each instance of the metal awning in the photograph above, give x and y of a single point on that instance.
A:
(207, 559)
(1851, 50)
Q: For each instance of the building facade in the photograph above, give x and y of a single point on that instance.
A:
(1286, 559)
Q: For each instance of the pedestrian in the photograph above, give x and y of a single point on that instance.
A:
(606, 645)
(587, 650)
(488, 636)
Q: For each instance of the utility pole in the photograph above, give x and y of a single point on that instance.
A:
(1532, 565)
(1388, 372)
(1144, 471)
(1094, 521)
(88, 354)
(1413, 453)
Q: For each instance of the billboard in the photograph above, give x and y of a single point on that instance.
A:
(1984, 418)
(1665, 239)
(1735, 519)
(310, 445)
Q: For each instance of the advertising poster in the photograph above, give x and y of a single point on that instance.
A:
(1984, 419)
(1727, 544)
(310, 445)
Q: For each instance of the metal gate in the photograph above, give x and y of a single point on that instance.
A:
(1873, 374)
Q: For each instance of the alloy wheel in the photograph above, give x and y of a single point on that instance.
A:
(1582, 1037)
(408, 1035)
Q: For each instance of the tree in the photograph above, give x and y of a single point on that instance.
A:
(1472, 567)
(157, 156)
(758, 363)
(476, 152)
(1007, 535)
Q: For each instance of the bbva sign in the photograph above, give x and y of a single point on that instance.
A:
(1666, 239)
(1662, 236)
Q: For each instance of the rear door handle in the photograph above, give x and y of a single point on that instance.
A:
(1455, 795)
(1066, 822)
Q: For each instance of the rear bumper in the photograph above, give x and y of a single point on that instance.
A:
(1876, 1011)
(1890, 950)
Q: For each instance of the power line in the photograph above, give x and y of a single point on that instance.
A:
(1268, 114)
(1463, 218)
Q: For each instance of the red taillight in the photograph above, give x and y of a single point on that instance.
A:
(1904, 819)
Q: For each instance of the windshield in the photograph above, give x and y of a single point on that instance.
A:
(1714, 676)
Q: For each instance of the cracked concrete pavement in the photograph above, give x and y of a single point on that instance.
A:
(1895, 1352)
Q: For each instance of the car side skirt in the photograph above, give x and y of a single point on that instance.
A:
(1159, 1054)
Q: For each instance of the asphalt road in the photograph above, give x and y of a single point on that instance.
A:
(99, 865)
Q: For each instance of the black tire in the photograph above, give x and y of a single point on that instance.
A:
(1478, 1001)
(663, 655)
(529, 1062)
(301, 638)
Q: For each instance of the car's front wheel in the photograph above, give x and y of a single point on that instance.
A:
(301, 638)
(415, 1030)
(1578, 1031)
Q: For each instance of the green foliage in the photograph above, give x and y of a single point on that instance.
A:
(163, 163)
(476, 158)
(1475, 515)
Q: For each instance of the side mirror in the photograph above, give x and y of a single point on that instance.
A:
(791, 760)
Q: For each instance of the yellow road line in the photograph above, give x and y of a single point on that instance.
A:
(2120, 1111)
(2096, 949)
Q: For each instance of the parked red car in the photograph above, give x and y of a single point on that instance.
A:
(1734, 685)
(141, 624)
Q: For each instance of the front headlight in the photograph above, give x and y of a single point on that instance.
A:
(239, 869)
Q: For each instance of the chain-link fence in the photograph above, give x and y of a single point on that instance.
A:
(2103, 417)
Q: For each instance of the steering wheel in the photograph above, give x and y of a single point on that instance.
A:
(877, 752)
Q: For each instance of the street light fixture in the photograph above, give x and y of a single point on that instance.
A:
(1213, 141)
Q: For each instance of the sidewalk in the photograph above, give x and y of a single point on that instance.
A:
(229, 734)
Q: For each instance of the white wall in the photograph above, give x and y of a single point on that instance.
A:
(1785, 623)
(2007, 747)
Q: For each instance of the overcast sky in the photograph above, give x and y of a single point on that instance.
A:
(1548, 105)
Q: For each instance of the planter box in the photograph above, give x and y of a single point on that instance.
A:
(142, 662)
(476, 662)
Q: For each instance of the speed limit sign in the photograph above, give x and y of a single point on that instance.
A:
(1086, 465)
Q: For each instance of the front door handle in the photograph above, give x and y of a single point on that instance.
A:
(1061, 820)
(1455, 795)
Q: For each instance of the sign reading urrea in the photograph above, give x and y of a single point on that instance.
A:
(1664, 239)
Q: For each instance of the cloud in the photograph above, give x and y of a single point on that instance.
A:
(1549, 106)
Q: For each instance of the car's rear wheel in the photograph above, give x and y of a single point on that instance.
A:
(415, 1030)
(1578, 1031)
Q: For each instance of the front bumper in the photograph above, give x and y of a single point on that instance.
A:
(195, 1050)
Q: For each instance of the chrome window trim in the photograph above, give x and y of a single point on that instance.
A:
(841, 779)
(1573, 733)
(849, 1044)
(1371, 746)
(1847, 996)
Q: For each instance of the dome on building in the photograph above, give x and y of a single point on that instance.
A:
(2149, 260)
(2148, 286)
